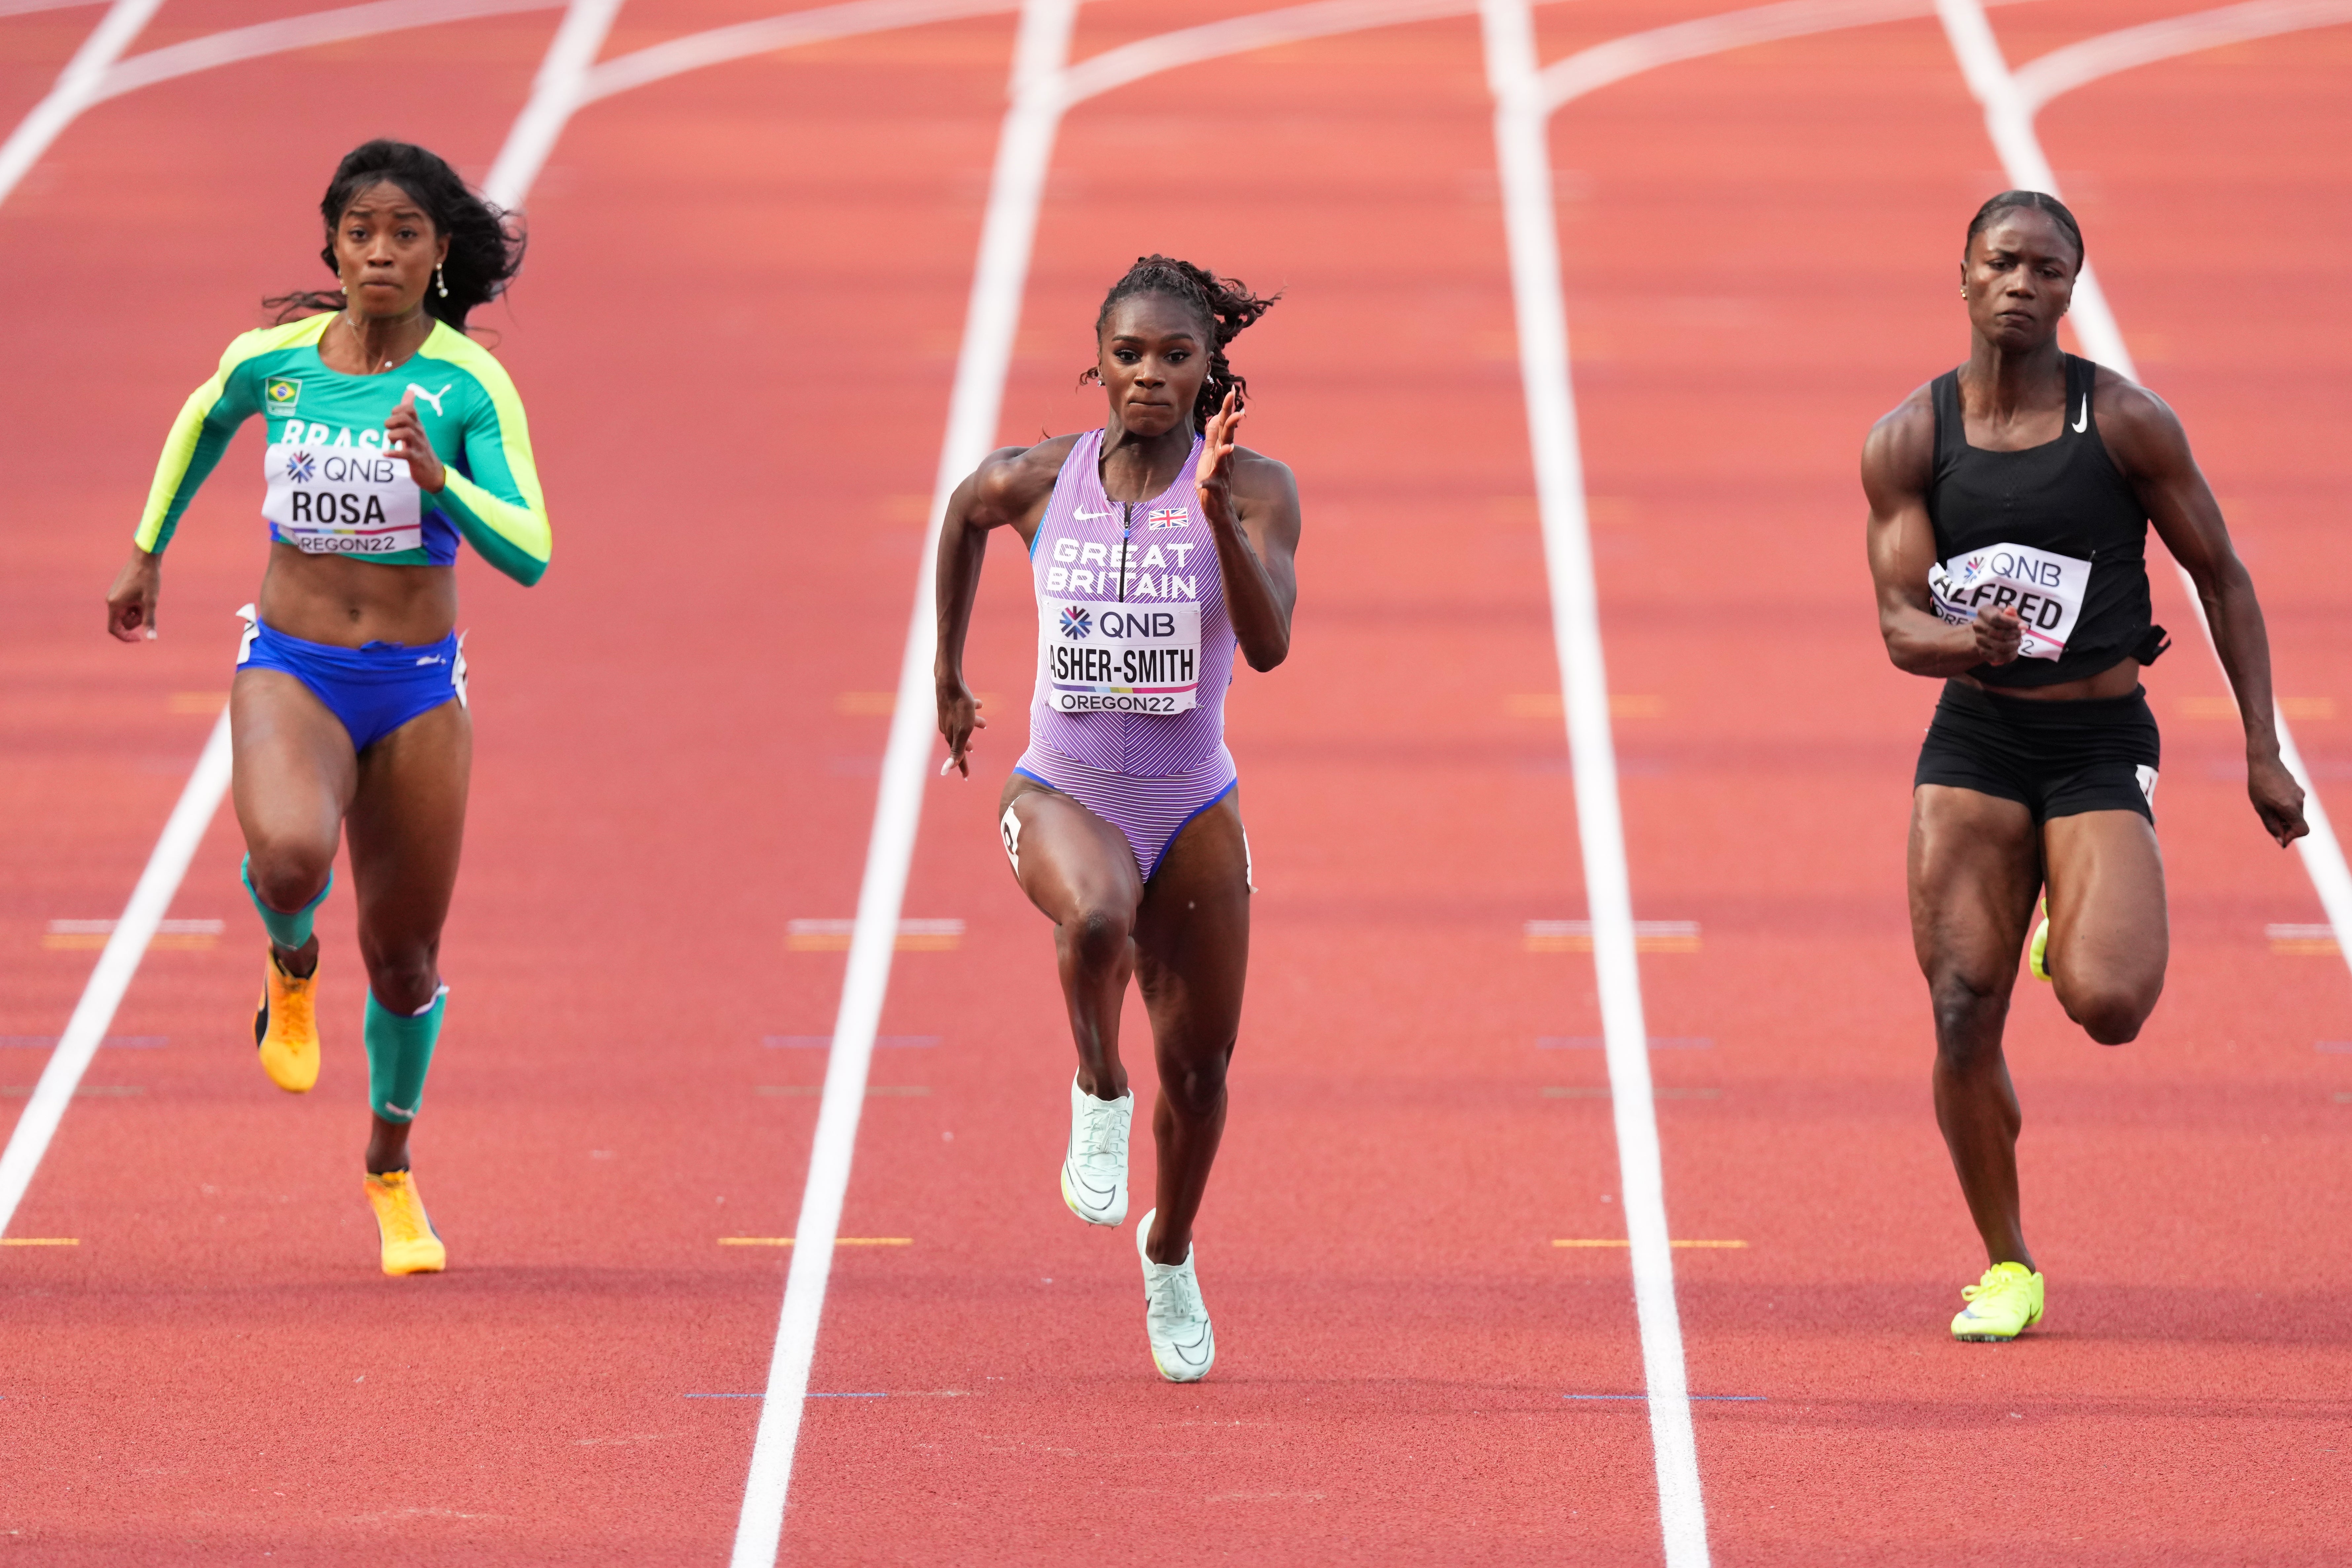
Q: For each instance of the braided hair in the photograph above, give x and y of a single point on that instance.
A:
(2035, 201)
(485, 243)
(1225, 306)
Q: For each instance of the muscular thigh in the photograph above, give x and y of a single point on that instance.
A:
(406, 825)
(1975, 868)
(2107, 914)
(1068, 861)
(294, 772)
(1191, 935)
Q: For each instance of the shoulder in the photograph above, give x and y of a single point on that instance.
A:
(2139, 428)
(1901, 446)
(1015, 476)
(1259, 478)
(262, 342)
(447, 346)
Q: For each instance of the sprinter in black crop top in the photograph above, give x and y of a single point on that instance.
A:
(2009, 502)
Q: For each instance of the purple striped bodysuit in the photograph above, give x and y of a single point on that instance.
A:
(1134, 653)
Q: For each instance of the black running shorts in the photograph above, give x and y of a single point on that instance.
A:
(2054, 758)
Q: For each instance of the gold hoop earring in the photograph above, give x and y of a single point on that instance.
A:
(440, 282)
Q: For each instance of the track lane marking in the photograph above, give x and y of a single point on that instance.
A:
(2010, 101)
(76, 85)
(29, 1140)
(1523, 160)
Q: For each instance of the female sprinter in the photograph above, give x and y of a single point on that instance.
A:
(392, 435)
(2010, 502)
(1155, 545)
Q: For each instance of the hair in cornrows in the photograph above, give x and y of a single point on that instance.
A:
(485, 243)
(2038, 202)
(1225, 304)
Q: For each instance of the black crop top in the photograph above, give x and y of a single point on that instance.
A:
(2052, 533)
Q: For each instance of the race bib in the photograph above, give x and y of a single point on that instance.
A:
(342, 500)
(2044, 591)
(1093, 657)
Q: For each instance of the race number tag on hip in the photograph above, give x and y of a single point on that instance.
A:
(342, 500)
(2043, 590)
(1093, 657)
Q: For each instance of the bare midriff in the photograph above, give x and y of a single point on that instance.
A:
(336, 600)
(2115, 681)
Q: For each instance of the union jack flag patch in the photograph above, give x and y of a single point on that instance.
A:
(1167, 517)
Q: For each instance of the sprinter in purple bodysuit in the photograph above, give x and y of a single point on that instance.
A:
(1157, 545)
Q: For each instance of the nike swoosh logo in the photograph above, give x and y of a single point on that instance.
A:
(2083, 422)
(1090, 516)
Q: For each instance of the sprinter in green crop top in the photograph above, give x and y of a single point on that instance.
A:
(392, 436)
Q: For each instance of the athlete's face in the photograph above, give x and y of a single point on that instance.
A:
(2019, 277)
(1153, 360)
(385, 249)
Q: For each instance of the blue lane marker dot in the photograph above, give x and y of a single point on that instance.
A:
(1645, 1398)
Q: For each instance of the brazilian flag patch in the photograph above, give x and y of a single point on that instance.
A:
(280, 393)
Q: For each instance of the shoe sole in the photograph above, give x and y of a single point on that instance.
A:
(1070, 1200)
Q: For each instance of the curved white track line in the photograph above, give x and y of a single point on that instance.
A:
(554, 92)
(217, 49)
(76, 88)
(2063, 70)
(24, 7)
(2009, 108)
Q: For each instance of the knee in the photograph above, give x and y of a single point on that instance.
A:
(1098, 934)
(289, 873)
(2111, 1014)
(404, 976)
(1969, 1012)
(1197, 1088)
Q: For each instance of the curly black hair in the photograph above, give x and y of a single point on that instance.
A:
(1225, 304)
(486, 244)
(2036, 200)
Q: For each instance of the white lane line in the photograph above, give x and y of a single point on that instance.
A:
(263, 38)
(29, 1140)
(98, 73)
(77, 87)
(2063, 70)
(1024, 148)
(1524, 160)
(26, 7)
(2010, 109)
(554, 93)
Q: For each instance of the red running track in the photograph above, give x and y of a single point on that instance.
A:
(735, 339)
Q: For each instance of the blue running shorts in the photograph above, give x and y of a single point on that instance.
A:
(373, 688)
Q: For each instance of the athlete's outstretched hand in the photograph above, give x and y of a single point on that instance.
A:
(959, 717)
(2278, 799)
(130, 602)
(404, 436)
(1213, 479)
(1998, 633)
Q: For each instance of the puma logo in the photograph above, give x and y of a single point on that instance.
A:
(435, 397)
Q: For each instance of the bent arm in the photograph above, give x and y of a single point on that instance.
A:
(1897, 462)
(206, 423)
(1258, 550)
(2147, 439)
(1009, 487)
(499, 506)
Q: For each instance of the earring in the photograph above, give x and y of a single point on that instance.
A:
(440, 282)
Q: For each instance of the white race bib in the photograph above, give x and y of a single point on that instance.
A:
(342, 500)
(2045, 590)
(1097, 658)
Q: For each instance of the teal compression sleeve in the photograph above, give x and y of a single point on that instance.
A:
(288, 931)
(399, 1050)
